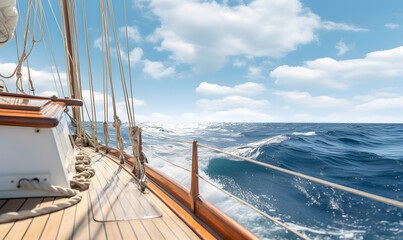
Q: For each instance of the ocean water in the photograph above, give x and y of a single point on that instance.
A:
(367, 157)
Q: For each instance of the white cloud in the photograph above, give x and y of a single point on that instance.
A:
(47, 94)
(306, 99)
(132, 33)
(333, 74)
(157, 70)
(136, 54)
(255, 72)
(248, 88)
(239, 63)
(381, 104)
(342, 47)
(206, 32)
(230, 115)
(99, 105)
(231, 101)
(98, 43)
(392, 25)
(329, 25)
(43, 80)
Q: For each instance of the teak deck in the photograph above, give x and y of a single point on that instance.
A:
(77, 222)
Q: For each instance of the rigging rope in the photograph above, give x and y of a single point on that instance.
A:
(24, 56)
(93, 120)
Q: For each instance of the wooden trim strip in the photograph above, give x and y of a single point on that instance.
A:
(174, 188)
(224, 225)
(67, 101)
(47, 118)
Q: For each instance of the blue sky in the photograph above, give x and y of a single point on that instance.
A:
(255, 61)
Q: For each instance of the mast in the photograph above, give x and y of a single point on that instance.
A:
(70, 53)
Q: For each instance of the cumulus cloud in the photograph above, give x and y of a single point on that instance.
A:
(255, 72)
(342, 48)
(379, 106)
(392, 25)
(329, 25)
(333, 74)
(136, 54)
(99, 105)
(381, 103)
(306, 99)
(230, 115)
(206, 32)
(132, 33)
(248, 89)
(157, 70)
(231, 101)
(42, 79)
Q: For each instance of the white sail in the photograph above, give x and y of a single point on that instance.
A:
(8, 20)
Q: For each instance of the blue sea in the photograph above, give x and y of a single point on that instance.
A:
(368, 157)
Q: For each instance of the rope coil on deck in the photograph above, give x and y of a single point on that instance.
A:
(75, 197)
(80, 181)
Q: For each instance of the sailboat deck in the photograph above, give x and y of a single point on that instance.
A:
(77, 222)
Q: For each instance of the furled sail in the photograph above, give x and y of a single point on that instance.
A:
(8, 20)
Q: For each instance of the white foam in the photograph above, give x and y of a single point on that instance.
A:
(304, 133)
(252, 150)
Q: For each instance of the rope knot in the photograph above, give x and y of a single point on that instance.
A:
(19, 73)
(117, 123)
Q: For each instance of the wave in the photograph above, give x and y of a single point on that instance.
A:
(304, 133)
(253, 150)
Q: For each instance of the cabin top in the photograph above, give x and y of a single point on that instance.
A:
(32, 111)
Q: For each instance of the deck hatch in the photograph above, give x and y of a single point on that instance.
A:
(119, 198)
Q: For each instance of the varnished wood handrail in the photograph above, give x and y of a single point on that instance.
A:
(67, 101)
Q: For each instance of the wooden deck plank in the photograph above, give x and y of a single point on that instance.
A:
(138, 225)
(66, 227)
(81, 229)
(163, 228)
(96, 229)
(173, 221)
(125, 227)
(37, 225)
(11, 205)
(111, 228)
(124, 181)
(180, 229)
(52, 227)
(19, 228)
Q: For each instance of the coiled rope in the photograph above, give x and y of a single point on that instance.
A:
(75, 197)
(80, 181)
